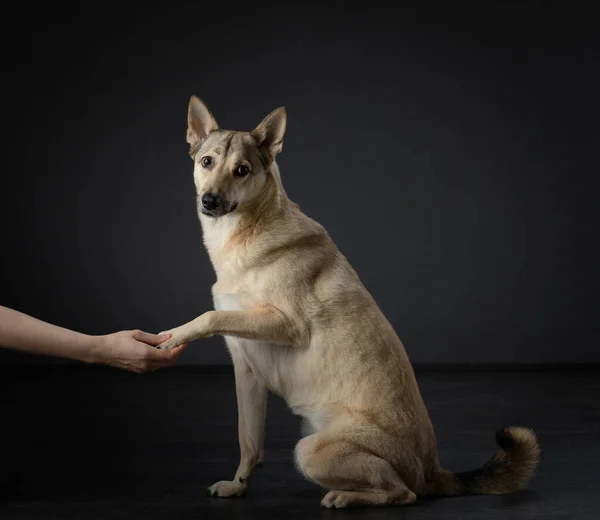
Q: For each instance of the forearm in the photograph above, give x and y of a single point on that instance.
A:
(27, 334)
(263, 324)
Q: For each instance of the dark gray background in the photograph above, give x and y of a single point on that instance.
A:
(451, 153)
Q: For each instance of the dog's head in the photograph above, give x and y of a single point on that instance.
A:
(231, 168)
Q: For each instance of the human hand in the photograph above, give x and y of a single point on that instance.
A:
(136, 351)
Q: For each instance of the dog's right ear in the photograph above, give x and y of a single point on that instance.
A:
(200, 123)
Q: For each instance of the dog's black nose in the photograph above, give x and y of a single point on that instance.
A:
(211, 201)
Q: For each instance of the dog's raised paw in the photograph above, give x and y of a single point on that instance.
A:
(226, 489)
(167, 345)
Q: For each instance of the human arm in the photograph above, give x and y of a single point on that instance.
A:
(129, 349)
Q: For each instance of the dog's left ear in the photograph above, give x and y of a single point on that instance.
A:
(269, 134)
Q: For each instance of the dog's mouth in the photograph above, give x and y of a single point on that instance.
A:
(218, 212)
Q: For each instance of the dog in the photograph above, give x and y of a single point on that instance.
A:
(297, 321)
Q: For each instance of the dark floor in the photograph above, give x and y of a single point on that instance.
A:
(93, 443)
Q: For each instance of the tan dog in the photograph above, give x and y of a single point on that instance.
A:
(298, 321)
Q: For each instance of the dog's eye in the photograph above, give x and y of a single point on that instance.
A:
(241, 171)
(206, 161)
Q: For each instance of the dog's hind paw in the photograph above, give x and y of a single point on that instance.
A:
(335, 500)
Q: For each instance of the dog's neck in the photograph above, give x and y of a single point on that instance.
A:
(229, 238)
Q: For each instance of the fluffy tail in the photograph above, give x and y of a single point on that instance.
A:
(507, 471)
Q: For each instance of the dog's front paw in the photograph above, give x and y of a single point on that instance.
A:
(175, 340)
(227, 489)
(168, 344)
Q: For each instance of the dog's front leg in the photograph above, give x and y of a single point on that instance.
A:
(260, 323)
(252, 408)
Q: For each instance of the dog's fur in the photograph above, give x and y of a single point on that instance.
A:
(298, 322)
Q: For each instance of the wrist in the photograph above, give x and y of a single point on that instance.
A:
(96, 349)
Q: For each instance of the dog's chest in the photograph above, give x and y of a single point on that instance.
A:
(278, 367)
(226, 302)
(265, 359)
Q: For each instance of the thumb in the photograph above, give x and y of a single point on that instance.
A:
(150, 339)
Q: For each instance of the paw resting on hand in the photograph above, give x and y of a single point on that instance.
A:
(172, 342)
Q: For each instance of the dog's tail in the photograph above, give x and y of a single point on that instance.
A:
(507, 471)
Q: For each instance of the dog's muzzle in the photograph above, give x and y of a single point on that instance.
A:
(214, 205)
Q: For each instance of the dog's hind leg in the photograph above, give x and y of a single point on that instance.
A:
(252, 409)
(354, 475)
